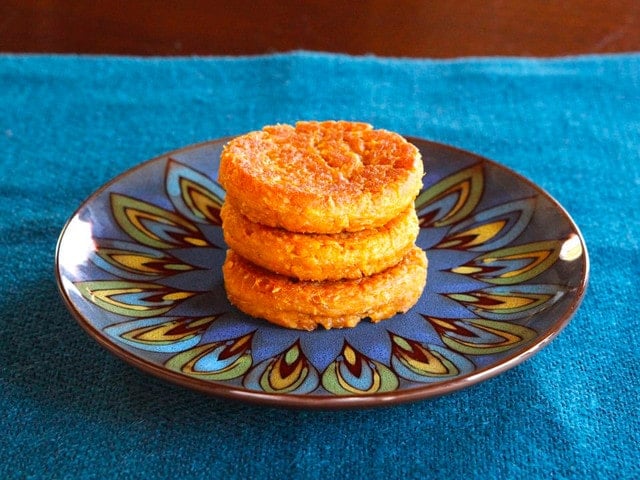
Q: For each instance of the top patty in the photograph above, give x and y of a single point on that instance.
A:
(321, 177)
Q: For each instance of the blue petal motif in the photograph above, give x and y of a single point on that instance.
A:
(322, 347)
(228, 326)
(194, 195)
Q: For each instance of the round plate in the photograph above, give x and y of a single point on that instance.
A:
(139, 265)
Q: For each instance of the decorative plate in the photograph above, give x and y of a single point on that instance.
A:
(139, 265)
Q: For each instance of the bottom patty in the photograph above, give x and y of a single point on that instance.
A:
(333, 304)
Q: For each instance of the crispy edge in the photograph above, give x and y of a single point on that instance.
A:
(306, 305)
(320, 256)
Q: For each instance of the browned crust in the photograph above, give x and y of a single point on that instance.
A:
(332, 304)
(316, 256)
(321, 177)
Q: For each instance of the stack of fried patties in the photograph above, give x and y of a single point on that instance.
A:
(321, 224)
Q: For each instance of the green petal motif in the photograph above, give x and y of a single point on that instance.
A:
(476, 336)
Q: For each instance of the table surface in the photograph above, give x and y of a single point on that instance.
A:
(412, 28)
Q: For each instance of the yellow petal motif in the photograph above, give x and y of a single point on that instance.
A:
(513, 265)
(474, 236)
(502, 303)
(154, 226)
(133, 299)
(421, 360)
(476, 336)
(169, 332)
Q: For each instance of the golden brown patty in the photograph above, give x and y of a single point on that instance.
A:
(317, 256)
(321, 177)
(332, 304)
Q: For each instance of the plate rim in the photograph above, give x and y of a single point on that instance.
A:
(325, 401)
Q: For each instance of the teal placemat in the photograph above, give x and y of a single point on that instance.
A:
(71, 410)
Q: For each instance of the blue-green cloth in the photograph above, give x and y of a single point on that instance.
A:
(69, 409)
